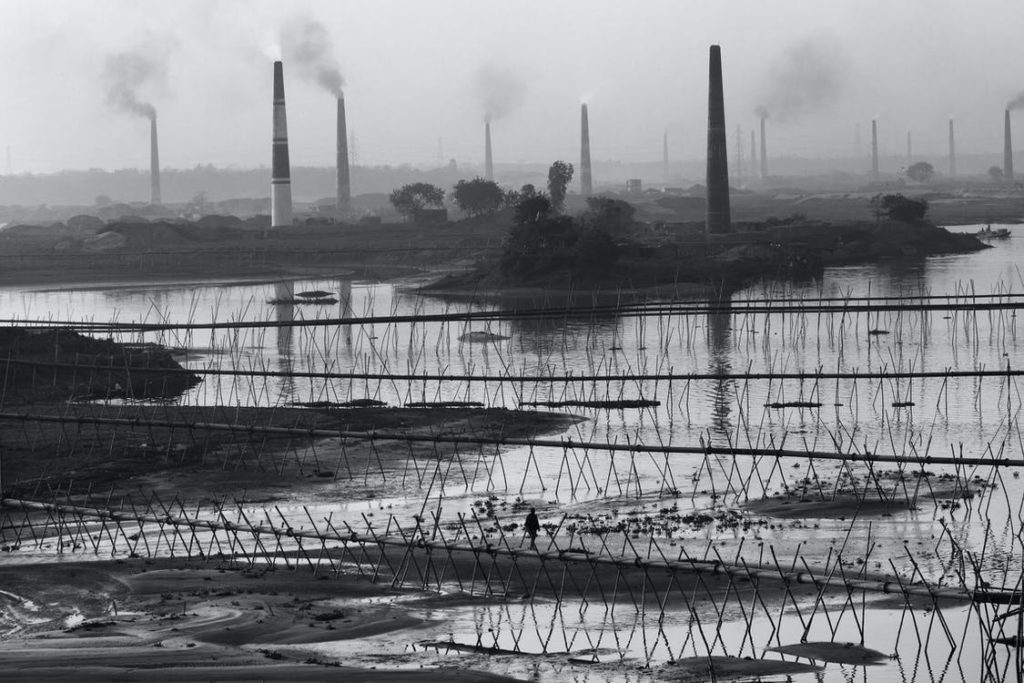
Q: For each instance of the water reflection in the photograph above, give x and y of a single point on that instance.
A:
(345, 306)
(552, 336)
(719, 335)
(284, 311)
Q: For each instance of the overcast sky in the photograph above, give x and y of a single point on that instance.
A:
(412, 70)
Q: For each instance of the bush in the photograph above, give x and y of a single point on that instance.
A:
(899, 208)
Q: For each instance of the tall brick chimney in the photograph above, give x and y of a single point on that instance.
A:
(718, 217)
(280, 168)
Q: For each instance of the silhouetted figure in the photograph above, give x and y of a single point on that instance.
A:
(532, 527)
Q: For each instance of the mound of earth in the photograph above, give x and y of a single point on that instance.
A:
(838, 653)
(52, 364)
(722, 668)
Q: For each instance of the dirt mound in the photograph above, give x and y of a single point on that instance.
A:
(42, 365)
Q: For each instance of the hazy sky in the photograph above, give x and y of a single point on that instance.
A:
(412, 76)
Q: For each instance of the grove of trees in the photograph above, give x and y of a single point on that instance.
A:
(544, 243)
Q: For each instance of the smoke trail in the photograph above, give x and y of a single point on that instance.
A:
(125, 74)
(501, 92)
(808, 76)
(1017, 102)
(306, 43)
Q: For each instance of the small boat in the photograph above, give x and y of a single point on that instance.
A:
(987, 233)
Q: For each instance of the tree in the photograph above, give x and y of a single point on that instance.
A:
(532, 208)
(559, 176)
(996, 173)
(921, 172)
(513, 197)
(899, 208)
(478, 196)
(414, 197)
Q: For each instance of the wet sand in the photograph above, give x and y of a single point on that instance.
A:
(164, 620)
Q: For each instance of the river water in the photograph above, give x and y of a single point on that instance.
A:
(914, 417)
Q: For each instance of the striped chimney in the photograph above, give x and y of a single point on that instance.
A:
(718, 217)
(154, 163)
(344, 182)
(280, 173)
(586, 178)
(488, 159)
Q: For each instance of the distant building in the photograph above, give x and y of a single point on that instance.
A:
(634, 185)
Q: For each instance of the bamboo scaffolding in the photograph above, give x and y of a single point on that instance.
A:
(970, 304)
(634, 561)
(540, 378)
(630, 447)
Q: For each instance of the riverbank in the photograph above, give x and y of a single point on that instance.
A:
(674, 260)
(689, 263)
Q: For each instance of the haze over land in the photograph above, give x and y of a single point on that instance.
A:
(411, 77)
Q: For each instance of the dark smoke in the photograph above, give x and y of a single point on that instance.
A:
(1017, 102)
(501, 92)
(807, 77)
(307, 44)
(125, 74)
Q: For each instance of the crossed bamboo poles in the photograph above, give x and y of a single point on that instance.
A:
(406, 541)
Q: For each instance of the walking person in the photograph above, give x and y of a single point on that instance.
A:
(532, 526)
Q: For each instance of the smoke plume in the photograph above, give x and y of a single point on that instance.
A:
(125, 74)
(307, 44)
(501, 92)
(807, 77)
(1017, 102)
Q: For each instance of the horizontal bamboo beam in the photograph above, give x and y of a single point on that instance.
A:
(321, 433)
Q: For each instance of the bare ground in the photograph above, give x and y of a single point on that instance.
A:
(145, 620)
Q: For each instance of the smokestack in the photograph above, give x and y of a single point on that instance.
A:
(1007, 149)
(154, 163)
(910, 150)
(717, 219)
(280, 169)
(664, 155)
(488, 159)
(874, 148)
(952, 150)
(344, 184)
(764, 152)
(586, 180)
(753, 153)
